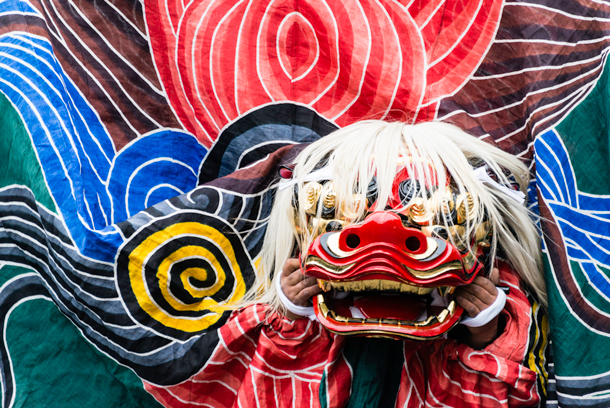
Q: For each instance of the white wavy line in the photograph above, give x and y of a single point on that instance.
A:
(400, 56)
(476, 394)
(158, 186)
(365, 66)
(539, 68)
(288, 373)
(565, 300)
(21, 13)
(237, 54)
(583, 397)
(27, 38)
(100, 62)
(258, 404)
(86, 309)
(250, 149)
(99, 203)
(600, 219)
(567, 379)
(233, 390)
(125, 148)
(562, 12)
(119, 12)
(239, 216)
(563, 174)
(86, 202)
(486, 375)
(544, 183)
(603, 275)
(50, 260)
(440, 404)
(70, 134)
(527, 95)
(167, 15)
(116, 52)
(578, 94)
(141, 166)
(92, 77)
(431, 15)
(46, 131)
(31, 212)
(555, 182)
(194, 71)
(51, 22)
(332, 83)
(258, 47)
(533, 391)
(459, 39)
(278, 51)
(7, 315)
(211, 63)
(168, 389)
(577, 97)
(258, 217)
(405, 365)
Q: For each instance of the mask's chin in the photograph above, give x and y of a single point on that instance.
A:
(383, 308)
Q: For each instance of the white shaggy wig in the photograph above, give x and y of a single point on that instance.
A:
(357, 153)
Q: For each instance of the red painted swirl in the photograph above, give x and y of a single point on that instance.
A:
(346, 59)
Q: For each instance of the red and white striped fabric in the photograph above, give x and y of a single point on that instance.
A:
(265, 360)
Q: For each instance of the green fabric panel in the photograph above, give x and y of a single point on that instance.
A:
(46, 375)
(377, 365)
(18, 161)
(585, 132)
(571, 357)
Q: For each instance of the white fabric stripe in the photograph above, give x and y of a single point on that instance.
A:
(108, 71)
(116, 52)
(365, 65)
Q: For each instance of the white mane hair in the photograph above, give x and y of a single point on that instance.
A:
(359, 152)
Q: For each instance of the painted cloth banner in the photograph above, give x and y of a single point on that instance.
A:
(140, 140)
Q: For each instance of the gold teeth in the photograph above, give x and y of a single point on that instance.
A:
(445, 290)
(430, 321)
(312, 193)
(466, 208)
(374, 285)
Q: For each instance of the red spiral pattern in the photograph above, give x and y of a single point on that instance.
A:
(346, 59)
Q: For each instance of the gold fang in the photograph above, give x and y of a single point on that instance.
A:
(380, 332)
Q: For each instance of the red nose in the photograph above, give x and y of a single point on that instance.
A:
(383, 227)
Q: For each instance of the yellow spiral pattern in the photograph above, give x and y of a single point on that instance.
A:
(214, 309)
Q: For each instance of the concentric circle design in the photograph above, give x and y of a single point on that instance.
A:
(178, 274)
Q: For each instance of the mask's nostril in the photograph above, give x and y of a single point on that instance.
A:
(352, 241)
(412, 244)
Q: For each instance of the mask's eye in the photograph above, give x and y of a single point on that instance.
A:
(285, 172)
